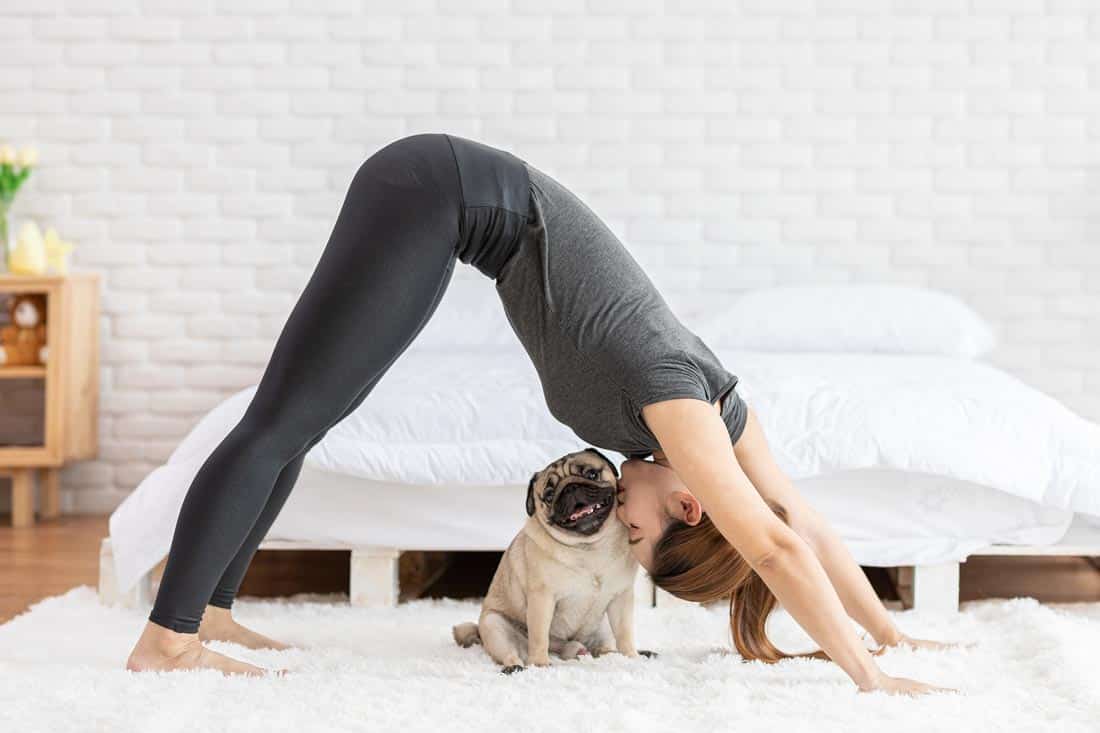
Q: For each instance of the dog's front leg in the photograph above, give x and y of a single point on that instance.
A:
(620, 612)
(540, 613)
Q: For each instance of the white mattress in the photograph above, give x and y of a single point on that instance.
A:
(887, 518)
(474, 417)
(477, 416)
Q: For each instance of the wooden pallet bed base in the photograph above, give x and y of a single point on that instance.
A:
(372, 581)
(932, 588)
(935, 588)
(373, 576)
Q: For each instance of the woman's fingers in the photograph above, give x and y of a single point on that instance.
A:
(937, 645)
(905, 686)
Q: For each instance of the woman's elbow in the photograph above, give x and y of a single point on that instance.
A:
(779, 546)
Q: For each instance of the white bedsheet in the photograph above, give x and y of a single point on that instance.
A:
(475, 416)
(887, 518)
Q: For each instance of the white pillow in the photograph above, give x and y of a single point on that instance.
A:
(896, 319)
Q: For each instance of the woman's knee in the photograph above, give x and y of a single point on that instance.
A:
(275, 432)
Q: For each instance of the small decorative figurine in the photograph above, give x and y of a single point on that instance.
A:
(23, 343)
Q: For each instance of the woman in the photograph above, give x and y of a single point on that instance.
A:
(615, 365)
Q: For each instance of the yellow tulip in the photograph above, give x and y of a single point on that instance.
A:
(7, 154)
(28, 157)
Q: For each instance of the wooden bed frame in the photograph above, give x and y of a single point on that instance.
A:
(372, 577)
(936, 587)
(373, 574)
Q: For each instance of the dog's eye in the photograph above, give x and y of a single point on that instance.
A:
(591, 474)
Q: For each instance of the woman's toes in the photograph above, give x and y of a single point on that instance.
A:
(236, 634)
(228, 665)
(193, 657)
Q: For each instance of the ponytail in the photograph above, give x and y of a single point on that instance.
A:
(696, 563)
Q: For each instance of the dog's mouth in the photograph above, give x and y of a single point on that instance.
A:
(583, 508)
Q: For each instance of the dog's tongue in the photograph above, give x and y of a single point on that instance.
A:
(583, 512)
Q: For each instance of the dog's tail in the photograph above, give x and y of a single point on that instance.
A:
(466, 635)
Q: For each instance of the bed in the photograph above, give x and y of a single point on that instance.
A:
(874, 400)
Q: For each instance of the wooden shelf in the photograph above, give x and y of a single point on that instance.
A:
(70, 382)
(7, 449)
(23, 372)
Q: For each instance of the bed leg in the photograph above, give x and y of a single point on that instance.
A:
(138, 596)
(644, 590)
(373, 579)
(930, 588)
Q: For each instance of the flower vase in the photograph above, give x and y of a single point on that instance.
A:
(6, 234)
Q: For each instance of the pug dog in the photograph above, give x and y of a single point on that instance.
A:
(566, 582)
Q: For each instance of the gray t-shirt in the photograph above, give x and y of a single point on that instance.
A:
(601, 337)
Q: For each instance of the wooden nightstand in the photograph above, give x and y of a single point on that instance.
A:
(65, 415)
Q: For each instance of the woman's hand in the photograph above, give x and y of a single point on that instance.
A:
(903, 686)
(928, 644)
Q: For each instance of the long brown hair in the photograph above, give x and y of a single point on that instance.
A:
(696, 563)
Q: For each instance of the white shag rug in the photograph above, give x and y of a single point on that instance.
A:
(61, 669)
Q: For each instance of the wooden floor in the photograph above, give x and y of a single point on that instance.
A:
(52, 557)
(55, 556)
(47, 559)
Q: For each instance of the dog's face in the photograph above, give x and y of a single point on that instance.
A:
(574, 496)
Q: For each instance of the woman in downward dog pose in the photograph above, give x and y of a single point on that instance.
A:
(615, 365)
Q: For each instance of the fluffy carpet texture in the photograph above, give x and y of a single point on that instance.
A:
(61, 669)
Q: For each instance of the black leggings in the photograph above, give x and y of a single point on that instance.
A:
(412, 209)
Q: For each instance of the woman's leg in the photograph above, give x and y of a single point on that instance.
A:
(217, 622)
(386, 265)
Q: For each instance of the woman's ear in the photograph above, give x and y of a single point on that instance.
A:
(684, 506)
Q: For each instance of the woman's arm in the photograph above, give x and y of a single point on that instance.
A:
(696, 442)
(851, 584)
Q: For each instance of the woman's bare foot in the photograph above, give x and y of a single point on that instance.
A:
(218, 624)
(162, 650)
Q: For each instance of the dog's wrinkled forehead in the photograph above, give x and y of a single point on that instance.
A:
(586, 465)
(589, 465)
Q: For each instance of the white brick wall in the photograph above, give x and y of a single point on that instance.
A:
(198, 152)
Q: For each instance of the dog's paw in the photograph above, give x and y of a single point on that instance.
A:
(647, 653)
(573, 649)
(512, 668)
(466, 635)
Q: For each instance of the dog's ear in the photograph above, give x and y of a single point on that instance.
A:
(531, 494)
(614, 470)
